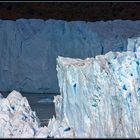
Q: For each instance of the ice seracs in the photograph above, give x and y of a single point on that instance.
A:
(17, 120)
(16, 117)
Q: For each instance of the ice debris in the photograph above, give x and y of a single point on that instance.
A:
(46, 100)
(17, 120)
(100, 97)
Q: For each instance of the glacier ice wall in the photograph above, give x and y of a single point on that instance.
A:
(100, 97)
(29, 48)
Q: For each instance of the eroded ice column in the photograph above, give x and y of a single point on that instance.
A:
(100, 97)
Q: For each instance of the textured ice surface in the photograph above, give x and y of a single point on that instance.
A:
(100, 97)
(17, 120)
(133, 44)
(29, 48)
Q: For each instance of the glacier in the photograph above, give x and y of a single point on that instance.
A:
(100, 96)
(29, 48)
(17, 120)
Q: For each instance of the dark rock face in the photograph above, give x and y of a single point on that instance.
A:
(70, 11)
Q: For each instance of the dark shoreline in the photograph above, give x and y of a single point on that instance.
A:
(70, 11)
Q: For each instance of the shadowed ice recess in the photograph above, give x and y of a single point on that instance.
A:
(29, 48)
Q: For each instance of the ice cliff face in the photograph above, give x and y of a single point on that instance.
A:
(100, 97)
(29, 48)
(17, 120)
(133, 44)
